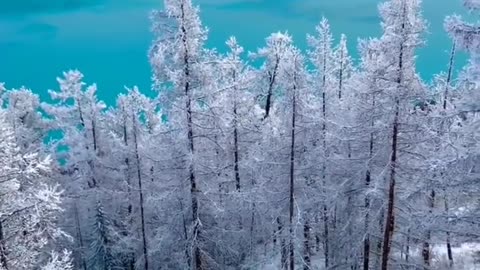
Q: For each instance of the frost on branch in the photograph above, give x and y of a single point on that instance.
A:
(58, 261)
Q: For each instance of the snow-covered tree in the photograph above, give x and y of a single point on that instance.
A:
(59, 261)
(30, 203)
(403, 26)
(274, 55)
(180, 64)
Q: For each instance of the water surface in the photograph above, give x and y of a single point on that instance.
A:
(108, 39)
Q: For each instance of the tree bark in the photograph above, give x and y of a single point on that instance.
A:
(292, 176)
(449, 245)
(140, 191)
(445, 99)
(449, 75)
(426, 244)
(378, 257)
(271, 84)
(325, 236)
(340, 79)
(390, 222)
(407, 251)
(191, 148)
(79, 236)
(131, 260)
(368, 179)
(3, 251)
(324, 163)
(306, 245)
(283, 248)
(235, 133)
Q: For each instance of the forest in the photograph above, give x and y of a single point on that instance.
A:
(273, 159)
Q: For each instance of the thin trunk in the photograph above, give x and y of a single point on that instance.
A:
(235, 134)
(368, 179)
(94, 136)
(191, 168)
(449, 75)
(324, 163)
(449, 245)
(252, 230)
(140, 191)
(87, 148)
(378, 257)
(292, 176)
(445, 99)
(390, 222)
(306, 246)
(317, 235)
(79, 236)
(271, 84)
(340, 80)
(3, 251)
(283, 247)
(325, 236)
(131, 263)
(407, 251)
(185, 232)
(426, 244)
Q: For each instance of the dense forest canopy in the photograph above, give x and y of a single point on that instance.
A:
(307, 161)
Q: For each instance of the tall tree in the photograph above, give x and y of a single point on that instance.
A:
(30, 203)
(176, 57)
(321, 55)
(403, 26)
(274, 53)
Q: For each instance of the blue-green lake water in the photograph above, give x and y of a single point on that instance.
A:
(108, 39)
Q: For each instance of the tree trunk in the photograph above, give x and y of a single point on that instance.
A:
(306, 245)
(449, 74)
(252, 230)
(340, 76)
(390, 222)
(426, 244)
(368, 179)
(3, 251)
(79, 236)
(235, 133)
(324, 163)
(292, 177)
(379, 244)
(140, 191)
(131, 256)
(449, 245)
(407, 251)
(191, 149)
(283, 248)
(325, 236)
(445, 99)
(317, 235)
(271, 84)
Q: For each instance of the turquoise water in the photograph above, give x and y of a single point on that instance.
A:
(108, 39)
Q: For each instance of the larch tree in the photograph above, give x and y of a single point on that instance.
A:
(76, 115)
(274, 55)
(30, 203)
(177, 59)
(403, 27)
(321, 56)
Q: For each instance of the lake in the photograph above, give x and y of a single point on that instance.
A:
(108, 39)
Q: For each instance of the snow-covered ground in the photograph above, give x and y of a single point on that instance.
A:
(466, 257)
